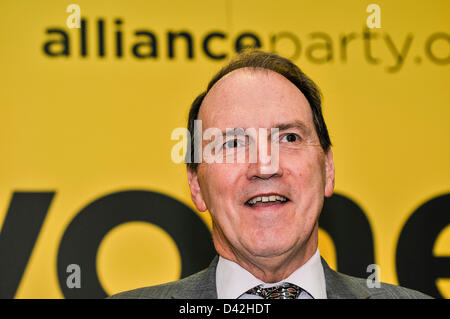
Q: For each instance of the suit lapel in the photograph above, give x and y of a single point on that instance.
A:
(340, 286)
(201, 285)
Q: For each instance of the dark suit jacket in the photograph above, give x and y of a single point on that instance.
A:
(202, 285)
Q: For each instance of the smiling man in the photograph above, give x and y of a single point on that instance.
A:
(265, 216)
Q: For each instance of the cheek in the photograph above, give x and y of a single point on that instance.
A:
(303, 163)
(307, 174)
(218, 184)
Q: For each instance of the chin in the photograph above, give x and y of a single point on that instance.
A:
(268, 248)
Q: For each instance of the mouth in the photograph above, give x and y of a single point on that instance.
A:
(264, 200)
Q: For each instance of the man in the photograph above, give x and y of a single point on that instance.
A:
(265, 214)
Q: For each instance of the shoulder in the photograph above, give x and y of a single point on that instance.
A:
(382, 290)
(163, 291)
(341, 286)
(201, 285)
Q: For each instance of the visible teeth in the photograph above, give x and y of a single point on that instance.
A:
(266, 199)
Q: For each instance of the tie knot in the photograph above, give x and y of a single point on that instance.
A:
(283, 291)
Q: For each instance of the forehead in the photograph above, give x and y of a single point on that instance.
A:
(254, 98)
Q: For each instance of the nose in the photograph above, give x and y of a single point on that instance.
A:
(264, 170)
(265, 164)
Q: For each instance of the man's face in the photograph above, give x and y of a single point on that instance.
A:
(256, 213)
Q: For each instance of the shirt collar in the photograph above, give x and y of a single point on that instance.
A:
(232, 280)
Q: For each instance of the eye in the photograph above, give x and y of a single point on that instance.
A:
(234, 143)
(290, 138)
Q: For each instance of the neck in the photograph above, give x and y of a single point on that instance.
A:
(270, 269)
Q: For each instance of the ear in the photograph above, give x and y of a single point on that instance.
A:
(196, 193)
(329, 173)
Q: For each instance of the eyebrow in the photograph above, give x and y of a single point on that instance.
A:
(301, 126)
(296, 125)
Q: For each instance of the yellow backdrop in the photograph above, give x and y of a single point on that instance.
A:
(85, 116)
